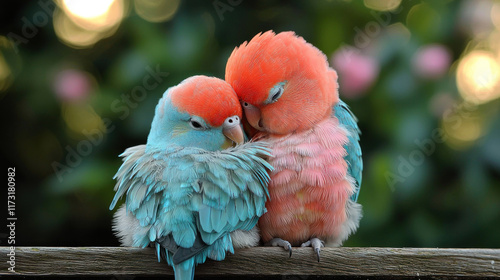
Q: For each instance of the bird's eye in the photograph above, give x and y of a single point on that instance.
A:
(196, 125)
(275, 93)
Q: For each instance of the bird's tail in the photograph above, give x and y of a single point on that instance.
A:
(184, 270)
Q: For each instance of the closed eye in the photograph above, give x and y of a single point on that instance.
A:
(275, 93)
(196, 125)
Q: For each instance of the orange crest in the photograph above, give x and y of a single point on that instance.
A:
(310, 90)
(207, 97)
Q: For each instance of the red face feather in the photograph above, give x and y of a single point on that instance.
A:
(311, 87)
(209, 98)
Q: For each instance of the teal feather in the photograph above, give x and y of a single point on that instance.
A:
(233, 219)
(241, 209)
(353, 149)
(185, 234)
(158, 248)
(135, 195)
(210, 189)
(239, 182)
(152, 234)
(255, 188)
(185, 271)
(219, 219)
(204, 218)
(210, 237)
(163, 191)
(147, 214)
(259, 206)
(141, 241)
(231, 190)
(210, 202)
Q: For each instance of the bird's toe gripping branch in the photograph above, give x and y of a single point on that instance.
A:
(278, 242)
(316, 244)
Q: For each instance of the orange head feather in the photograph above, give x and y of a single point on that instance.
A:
(309, 85)
(207, 97)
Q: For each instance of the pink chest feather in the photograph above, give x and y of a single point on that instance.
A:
(309, 186)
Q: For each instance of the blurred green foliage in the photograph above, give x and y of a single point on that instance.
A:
(451, 198)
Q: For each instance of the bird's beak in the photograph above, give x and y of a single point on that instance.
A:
(232, 130)
(252, 115)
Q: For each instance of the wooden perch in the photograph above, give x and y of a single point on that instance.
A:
(346, 263)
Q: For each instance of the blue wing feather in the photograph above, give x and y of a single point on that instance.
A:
(353, 157)
(188, 193)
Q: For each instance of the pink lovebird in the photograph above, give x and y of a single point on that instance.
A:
(290, 98)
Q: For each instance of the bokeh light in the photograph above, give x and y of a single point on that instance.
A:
(81, 24)
(156, 10)
(462, 128)
(382, 5)
(440, 103)
(82, 118)
(423, 19)
(94, 15)
(431, 61)
(475, 19)
(478, 77)
(493, 42)
(400, 31)
(71, 34)
(73, 85)
(495, 15)
(357, 71)
(5, 71)
(89, 9)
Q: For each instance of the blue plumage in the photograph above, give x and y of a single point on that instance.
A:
(213, 209)
(196, 204)
(184, 191)
(353, 157)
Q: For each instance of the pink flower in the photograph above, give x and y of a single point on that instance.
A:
(432, 61)
(72, 85)
(357, 72)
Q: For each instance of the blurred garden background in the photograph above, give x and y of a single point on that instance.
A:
(79, 81)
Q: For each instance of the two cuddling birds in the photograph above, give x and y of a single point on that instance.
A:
(193, 194)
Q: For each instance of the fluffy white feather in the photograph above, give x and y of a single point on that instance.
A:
(125, 226)
(245, 239)
(354, 213)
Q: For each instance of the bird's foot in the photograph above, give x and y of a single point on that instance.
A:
(278, 242)
(316, 244)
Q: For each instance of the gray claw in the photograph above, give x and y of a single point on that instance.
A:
(316, 244)
(278, 242)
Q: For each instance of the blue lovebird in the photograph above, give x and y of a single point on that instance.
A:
(189, 187)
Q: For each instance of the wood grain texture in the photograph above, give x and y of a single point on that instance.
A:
(263, 261)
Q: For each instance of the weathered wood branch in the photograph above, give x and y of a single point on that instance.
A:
(262, 261)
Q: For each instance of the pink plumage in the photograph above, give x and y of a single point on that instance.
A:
(290, 99)
(309, 202)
